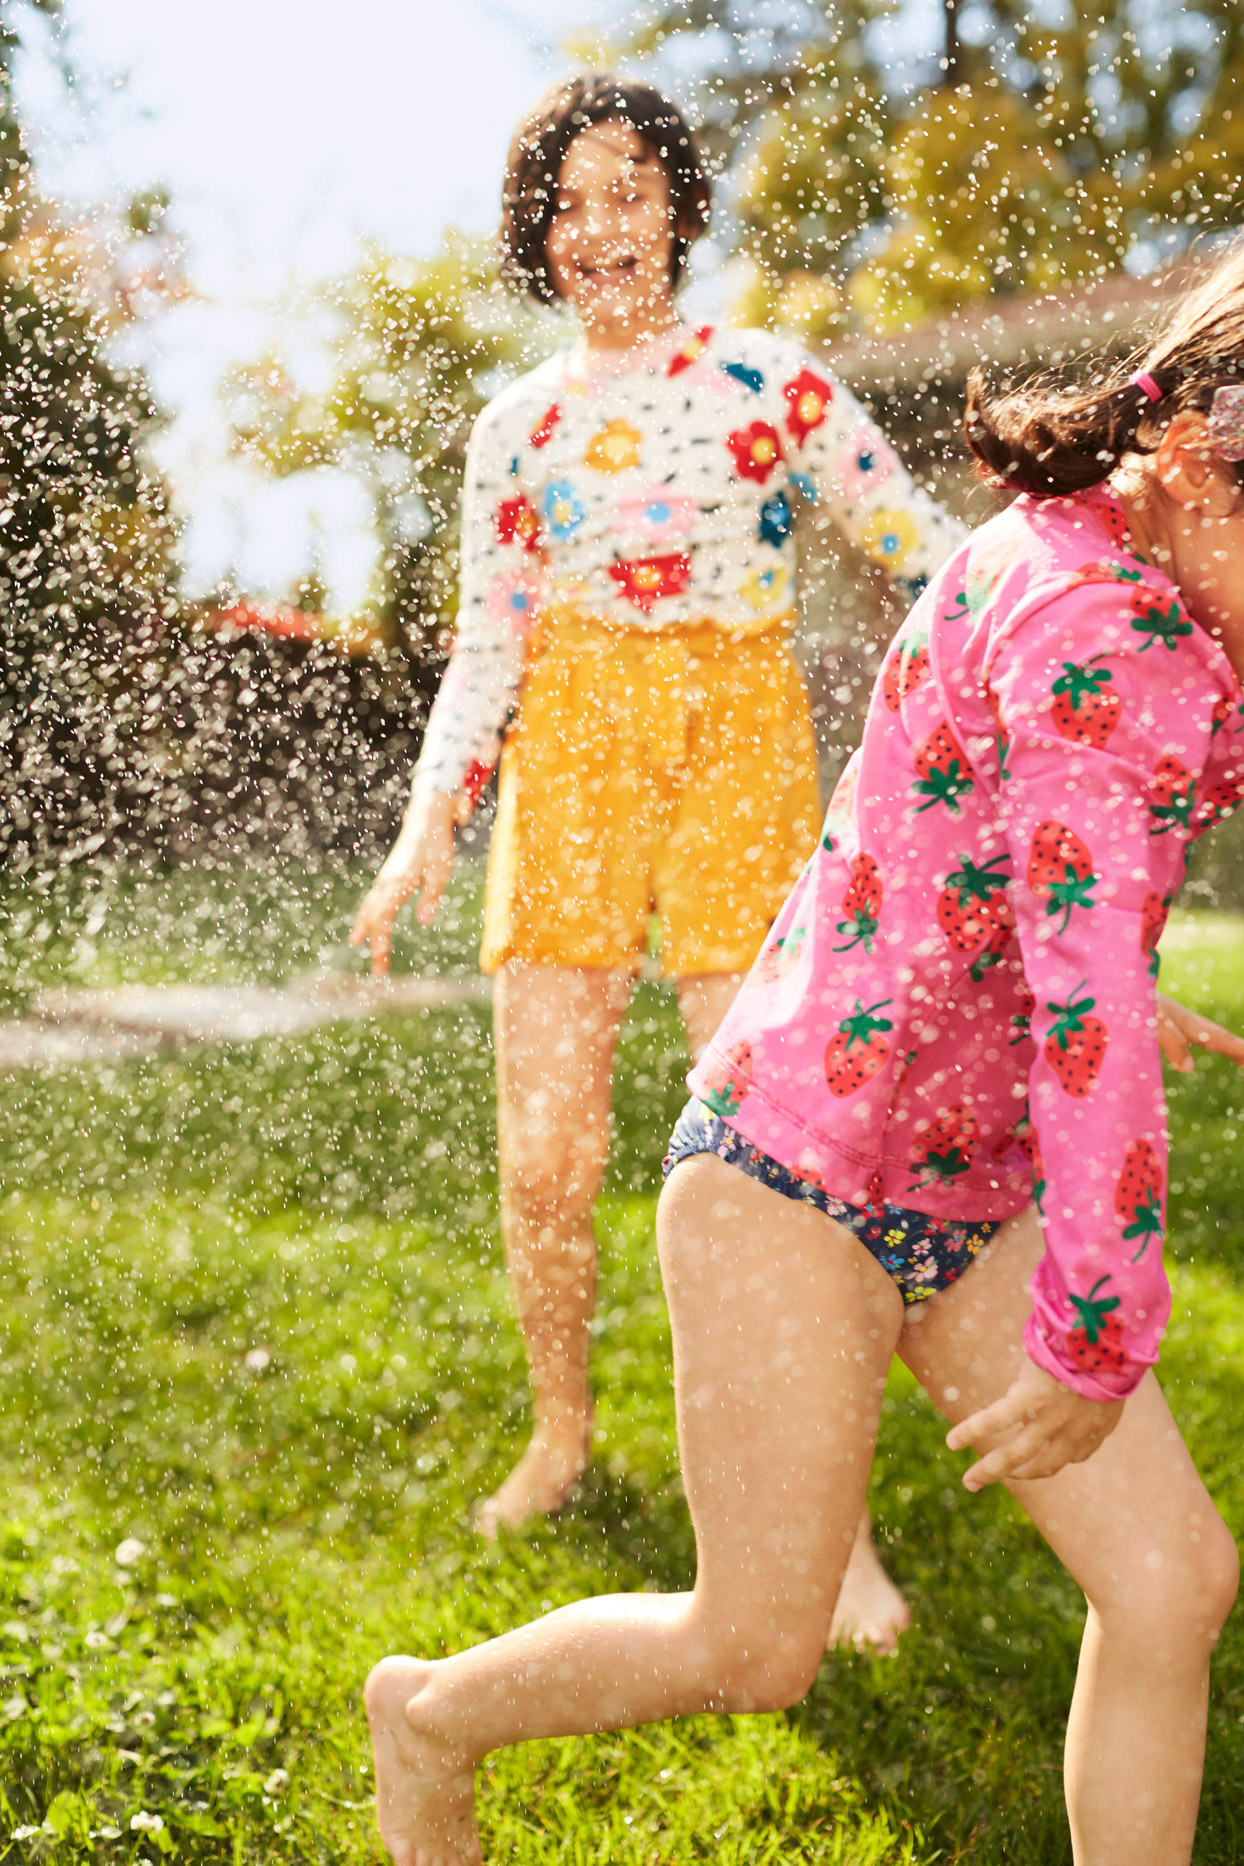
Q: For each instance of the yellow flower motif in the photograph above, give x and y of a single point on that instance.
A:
(889, 538)
(763, 589)
(614, 449)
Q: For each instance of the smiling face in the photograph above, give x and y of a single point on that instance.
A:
(610, 240)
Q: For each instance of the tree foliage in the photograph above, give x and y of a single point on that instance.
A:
(920, 153)
(419, 346)
(85, 543)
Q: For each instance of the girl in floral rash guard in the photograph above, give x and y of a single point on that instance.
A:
(957, 999)
(627, 597)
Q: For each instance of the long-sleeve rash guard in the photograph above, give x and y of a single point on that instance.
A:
(657, 490)
(958, 998)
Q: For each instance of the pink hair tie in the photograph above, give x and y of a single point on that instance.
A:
(1143, 380)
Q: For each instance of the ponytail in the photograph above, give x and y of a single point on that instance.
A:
(1051, 440)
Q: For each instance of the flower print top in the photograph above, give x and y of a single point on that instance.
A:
(655, 489)
(955, 1008)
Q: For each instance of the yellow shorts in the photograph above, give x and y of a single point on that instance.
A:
(673, 772)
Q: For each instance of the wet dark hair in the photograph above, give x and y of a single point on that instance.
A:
(1050, 440)
(539, 149)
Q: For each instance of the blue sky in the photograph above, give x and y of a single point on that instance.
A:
(285, 130)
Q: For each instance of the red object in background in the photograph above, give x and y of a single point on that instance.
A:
(645, 580)
(270, 619)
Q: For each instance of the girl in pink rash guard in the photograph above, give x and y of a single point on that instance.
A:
(932, 1123)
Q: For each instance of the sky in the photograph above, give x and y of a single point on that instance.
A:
(285, 131)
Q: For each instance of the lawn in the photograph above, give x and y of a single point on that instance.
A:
(257, 1360)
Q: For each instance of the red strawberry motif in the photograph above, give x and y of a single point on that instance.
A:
(906, 668)
(990, 954)
(973, 905)
(1161, 617)
(1095, 1342)
(861, 905)
(856, 1051)
(1002, 736)
(1224, 706)
(1153, 912)
(944, 776)
(1085, 707)
(945, 1148)
(1173, 788)
(1214, 803)
(1060, 870)
(1021, 1023)
(1138, 1195)
(779, 959)
(1075, 1048)
(728, 1078)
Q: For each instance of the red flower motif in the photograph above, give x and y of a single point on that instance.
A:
(542, 433)
(691, 351)
(517, 522)
(645, 580)
(808, 396)
(756, 450)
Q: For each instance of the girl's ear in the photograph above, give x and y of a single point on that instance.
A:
(1189, 471)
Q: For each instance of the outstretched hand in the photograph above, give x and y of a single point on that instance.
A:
(420, 863)
(1037, 1427)
(1179, 1029)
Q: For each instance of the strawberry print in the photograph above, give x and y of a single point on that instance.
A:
(943, 771)
(1085, 708)
(990, 954)
(944, 1150)
(1060, 870)
(861, 905)
(1153, 912)
(1214, 803)
(691, 351)
(1021, 1023)
(973, 905)
(779, 959)
(645, 580)
(725, 1079)
(1161, 617)
(857, 1050)
(906, 667)
(1024, 1136)
(1172, 791)
(1002, 736)
(757, 450)
(1075, 1048)
(518, 522)
(1138, 1196)
(1224, 706)
(542, 433)
(1095, 1343)
(808, 396)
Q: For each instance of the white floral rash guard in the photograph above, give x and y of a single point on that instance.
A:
(656, 489)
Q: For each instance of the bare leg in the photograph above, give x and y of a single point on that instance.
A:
(557, 1030)
(870, 1610)
(783, 1331)
(1136, 1528)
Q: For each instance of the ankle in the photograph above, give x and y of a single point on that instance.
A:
(425, 1717)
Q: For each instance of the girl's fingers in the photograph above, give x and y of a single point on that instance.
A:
(990, 1422)
(1179, 1028)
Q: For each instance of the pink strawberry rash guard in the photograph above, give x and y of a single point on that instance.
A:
(955, 1008)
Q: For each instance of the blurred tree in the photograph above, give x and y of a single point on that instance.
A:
(85, 542)
(1031, 142)
(420, 346)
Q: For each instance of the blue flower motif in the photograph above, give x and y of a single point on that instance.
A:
(911, 587)
(775, 519)
(805, 486)
(750, 378)
(563, 508)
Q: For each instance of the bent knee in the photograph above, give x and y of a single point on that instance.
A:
(546, 1181)
(767, 1670)
(1181, 1595)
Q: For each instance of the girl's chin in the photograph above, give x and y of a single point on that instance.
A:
(612, 305)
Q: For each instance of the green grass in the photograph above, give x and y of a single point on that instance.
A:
(253, 1317)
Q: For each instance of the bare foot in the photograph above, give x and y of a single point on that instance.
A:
(540, 1482)
(870, 1609)
(425, 1794)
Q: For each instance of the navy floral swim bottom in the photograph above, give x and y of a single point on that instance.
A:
(919, 1254)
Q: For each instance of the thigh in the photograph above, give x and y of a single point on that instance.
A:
(783, 1329)
(1134, 1514)
(556, 1031)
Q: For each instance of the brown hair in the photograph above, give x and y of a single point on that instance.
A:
(1051, 441)
(539, 149)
